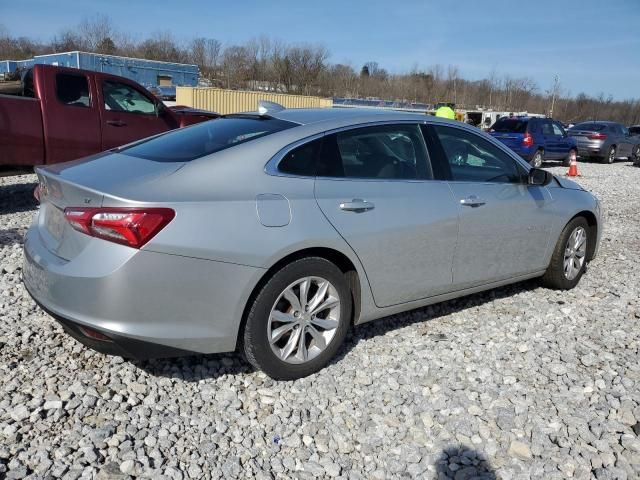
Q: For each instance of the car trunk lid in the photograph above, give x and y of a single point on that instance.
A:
(511, 140)
(93, 182)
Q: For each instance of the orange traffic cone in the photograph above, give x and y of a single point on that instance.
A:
(573, 166)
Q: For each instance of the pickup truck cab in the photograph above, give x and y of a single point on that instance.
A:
(535, 139)
(54, 114)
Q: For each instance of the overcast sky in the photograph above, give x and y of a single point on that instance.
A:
(592, 45)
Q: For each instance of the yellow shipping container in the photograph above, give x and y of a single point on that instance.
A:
(234, 101)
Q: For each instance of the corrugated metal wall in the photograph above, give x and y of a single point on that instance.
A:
(145, 72)
(234, 101)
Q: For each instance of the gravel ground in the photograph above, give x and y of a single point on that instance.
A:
(515, 383)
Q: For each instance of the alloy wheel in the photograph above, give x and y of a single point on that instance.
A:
(304, 319)
(574, 253)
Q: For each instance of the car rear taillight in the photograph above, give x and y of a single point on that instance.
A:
(36, 193)
(130, 226)
(527, 141)
(597, 136)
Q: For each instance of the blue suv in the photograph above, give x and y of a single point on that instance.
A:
(535, 139)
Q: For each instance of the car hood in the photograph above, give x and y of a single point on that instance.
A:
(566, 183)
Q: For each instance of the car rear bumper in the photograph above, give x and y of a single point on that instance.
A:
(148, 304)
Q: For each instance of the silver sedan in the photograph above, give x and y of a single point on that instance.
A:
(273, 233)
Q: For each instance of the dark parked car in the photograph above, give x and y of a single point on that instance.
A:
(634, 130)
(605, 141)
(535, 139)
(167, 92)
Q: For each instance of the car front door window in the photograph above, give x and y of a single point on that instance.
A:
(120, 97)
(471, 158)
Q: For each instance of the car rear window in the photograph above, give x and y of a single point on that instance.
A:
(186, 144)
(510, 125)
(594, 127)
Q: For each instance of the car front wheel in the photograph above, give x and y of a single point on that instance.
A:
(569, 258)
(298, 320)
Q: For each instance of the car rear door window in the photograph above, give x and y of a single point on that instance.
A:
(472, 158)
(301, 161)
(193, 142)
(72, 90)
(392, 152)
(120, 97)
(547, 128)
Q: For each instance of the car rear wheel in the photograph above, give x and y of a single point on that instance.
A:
(569, 259)
(298, 320)
(573, 155)
(537, 159)
(611, 155)
(635, 156)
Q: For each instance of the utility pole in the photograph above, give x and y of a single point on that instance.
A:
(553, 95)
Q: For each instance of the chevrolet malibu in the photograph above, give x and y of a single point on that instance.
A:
(273, 233)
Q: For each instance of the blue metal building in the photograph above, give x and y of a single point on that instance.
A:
(145, 72)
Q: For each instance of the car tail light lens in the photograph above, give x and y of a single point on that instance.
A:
(36, 193)
(597, 136)
(129, 226)
(527, 141)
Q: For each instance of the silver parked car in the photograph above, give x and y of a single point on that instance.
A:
(606, 141)
(273, 233)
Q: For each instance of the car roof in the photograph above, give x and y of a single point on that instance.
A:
(602, 122)
(307, 116)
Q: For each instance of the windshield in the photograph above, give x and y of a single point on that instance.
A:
(510, 125)
(187, 144)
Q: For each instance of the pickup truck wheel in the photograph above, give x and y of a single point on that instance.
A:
(537, 159)
(572, 156)
(611, 155)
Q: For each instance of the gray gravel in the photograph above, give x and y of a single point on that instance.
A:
(515, 383)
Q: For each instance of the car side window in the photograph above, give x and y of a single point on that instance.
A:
(121, 97)
(625, 130)
(72, 90)
(301, 160)
(547, 128)
(382, 152)
(472, 158)
(558, 130)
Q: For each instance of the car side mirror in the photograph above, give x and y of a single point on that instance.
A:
(160, 109)
(539, 177)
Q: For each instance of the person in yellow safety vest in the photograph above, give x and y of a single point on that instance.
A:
(446, 112)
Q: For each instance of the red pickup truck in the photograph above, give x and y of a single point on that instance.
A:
(54, 114)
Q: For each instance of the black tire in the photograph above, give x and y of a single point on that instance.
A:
(635, 155)
(255, 342)
(567, 161)
(611, 155)
(555, 277)
(537, 159)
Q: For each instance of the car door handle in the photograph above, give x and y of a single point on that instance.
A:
(357, 205)
(116, 123)
(472, 201)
